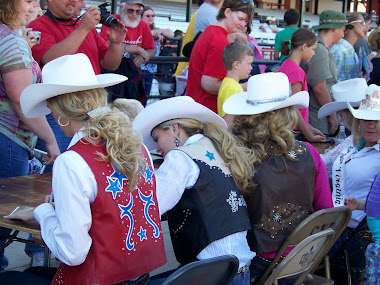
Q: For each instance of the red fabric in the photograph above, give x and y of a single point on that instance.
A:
(206, 59)
(51, 33)
(140, 36)
(120, 249)
(296, 74)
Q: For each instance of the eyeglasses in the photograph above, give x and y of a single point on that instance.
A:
(246, 1)
(132, 11)
(150, 16)
(358, 21)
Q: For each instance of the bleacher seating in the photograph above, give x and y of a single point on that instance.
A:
(172, 15)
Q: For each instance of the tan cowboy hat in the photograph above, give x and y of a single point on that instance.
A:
(266, 92)
(369, 108)
(172, 108)
(68, 73)
(352, 90)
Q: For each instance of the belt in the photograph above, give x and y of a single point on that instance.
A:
(244, 268)
(271, 259)
(363, 234)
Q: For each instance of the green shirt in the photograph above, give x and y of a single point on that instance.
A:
(283, 35)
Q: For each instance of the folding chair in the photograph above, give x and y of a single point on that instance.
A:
(214, 271)
(332, 218)
(302, 258)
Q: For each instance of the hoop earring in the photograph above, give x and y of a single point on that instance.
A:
(63, 125)
(176, 141)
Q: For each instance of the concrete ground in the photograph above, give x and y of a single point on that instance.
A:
(19, 261)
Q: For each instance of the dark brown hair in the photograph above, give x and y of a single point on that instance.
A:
(147, 8)
(300, 37)
(236, 6)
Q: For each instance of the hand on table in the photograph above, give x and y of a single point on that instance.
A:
(24, 215)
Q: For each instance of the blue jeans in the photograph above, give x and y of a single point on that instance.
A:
(147, 78)
(242, 279)
(62, 140)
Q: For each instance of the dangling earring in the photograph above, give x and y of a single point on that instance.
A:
(359, 128)
(176, 141)
(63, 125)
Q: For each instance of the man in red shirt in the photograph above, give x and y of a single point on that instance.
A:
(138, 48)
(61, 35)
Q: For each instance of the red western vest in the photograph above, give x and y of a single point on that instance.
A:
(127, 240)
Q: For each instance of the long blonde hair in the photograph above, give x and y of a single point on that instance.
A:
(235, 155)
(113, 129)
(267, 133)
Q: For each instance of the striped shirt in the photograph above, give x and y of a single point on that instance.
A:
(15, 54)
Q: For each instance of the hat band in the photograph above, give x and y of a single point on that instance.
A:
(333, 21)
(263, 101)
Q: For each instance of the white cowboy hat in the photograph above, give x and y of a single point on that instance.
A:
(270, 19)
(266, 92)
(369, 108)
(172, 108)
(352, 90)
(68, 73)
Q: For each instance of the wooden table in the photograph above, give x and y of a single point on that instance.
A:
(321, 147)
(27, 191)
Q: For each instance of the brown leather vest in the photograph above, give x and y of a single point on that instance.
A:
(282, 199)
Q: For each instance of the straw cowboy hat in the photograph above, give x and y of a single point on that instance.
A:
(352, 90)
(172, 108)
(369, 108)
(69, 73)
(266, 92)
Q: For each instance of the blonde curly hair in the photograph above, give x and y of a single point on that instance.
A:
(235, 155)
(113, 129)
(265, 133)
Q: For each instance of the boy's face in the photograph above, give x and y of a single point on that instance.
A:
(245, 67)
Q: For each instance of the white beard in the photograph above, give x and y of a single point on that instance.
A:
(128, 23)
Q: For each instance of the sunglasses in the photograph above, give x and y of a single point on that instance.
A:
(246, 1)
(358, 21)
(132, 11)
(150, 16)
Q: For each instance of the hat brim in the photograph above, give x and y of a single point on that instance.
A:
(364, 114)
(332, 26)
(33, 98)
(237, 104)
(333, 107)
(169, 109)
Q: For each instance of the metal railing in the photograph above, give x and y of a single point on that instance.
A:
(164, 85)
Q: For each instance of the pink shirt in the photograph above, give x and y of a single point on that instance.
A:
(296, 74)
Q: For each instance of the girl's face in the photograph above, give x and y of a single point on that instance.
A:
(235, 20)
(369, 132)
(308, 52)
(164, 139)
(148, 17)
(25, 8)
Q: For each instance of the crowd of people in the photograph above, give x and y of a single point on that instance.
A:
(239, 170)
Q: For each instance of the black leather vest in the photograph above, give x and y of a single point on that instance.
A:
(282, 199)
(212, 209)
